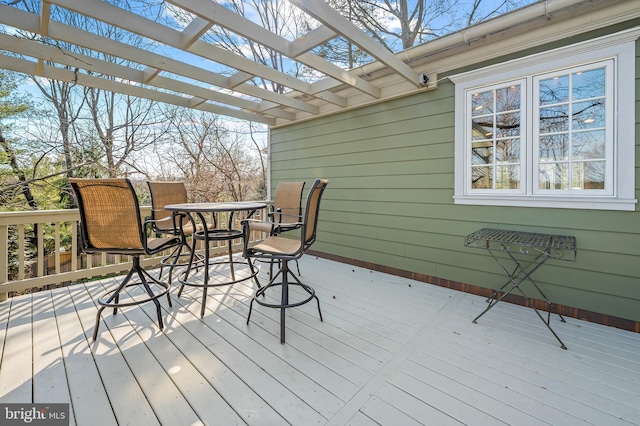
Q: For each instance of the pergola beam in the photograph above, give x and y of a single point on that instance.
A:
(28, 67)
(119, 17)
(98, 66)
(332, 19)
(225, 18)
(107, 46)
(224, 81)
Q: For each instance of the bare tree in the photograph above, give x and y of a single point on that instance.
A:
(120, 124)
(123, 125)
(12, 106)
(216, 161)
(401, 24)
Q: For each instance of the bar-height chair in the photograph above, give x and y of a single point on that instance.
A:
(282, 249)
(162, 194)
(285, 214)
(110, 222)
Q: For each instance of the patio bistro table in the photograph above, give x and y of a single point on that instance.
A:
(209, 234)
(537, 249)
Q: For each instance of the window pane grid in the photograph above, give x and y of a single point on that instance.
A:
(495, 138)
(571, 131)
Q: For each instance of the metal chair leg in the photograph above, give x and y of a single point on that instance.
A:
(113, 299)
(284, 296)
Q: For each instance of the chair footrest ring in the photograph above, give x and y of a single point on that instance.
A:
(184, 280)
(168, 261)
(219, 234)
(147, 298)
(262, 290)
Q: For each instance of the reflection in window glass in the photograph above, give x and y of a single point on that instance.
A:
(588, 175)
(554, 176)
(554, 119)
(482, 128)
(507, 177)
(495, 138)
(588, 84)
(588, 115)
(508, 98)
(482, 178)
(572, 129)
(508, 151)
(508, 125)
(588, 145)
(554, 90)
(554, 147)
(482, 153)
(482, 103)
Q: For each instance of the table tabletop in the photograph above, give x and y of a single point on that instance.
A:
(233, 206)
(561, 247)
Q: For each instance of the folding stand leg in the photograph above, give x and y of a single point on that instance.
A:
(562, 345)
(520, 269)
(525, 273)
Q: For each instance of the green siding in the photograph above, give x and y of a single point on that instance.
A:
(390, 202)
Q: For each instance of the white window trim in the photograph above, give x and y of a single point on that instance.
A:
(620, 46)
(523, 130)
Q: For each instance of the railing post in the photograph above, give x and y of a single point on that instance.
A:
(4, 258)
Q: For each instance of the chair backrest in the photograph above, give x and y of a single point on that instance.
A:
(109, 215)
(163, 193)
(288, 201)
(312, 211)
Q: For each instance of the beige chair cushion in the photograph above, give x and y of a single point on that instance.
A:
(279, 245)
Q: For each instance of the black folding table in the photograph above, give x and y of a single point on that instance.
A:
(536, 249)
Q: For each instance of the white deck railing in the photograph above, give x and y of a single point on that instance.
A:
(60, 266)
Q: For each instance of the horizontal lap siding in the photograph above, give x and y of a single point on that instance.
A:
(390, 202)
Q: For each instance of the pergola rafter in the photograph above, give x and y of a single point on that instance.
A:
(156, 76)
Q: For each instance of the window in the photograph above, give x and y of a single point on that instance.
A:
(551, 130)
(495, 137)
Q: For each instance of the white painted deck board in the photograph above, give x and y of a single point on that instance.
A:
(128, 401)
(16, 382)
(88, 398)
(248, 359)
(390, 351)
(411, 406)
(50, 378)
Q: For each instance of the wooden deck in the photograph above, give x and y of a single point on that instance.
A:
(390, 351)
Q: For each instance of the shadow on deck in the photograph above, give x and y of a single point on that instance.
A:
(390, 351)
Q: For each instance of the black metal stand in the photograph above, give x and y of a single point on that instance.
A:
(541, 246)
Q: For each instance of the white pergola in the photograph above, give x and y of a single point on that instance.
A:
(159, 77)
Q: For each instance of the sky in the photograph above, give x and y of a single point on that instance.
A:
(486, 5)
